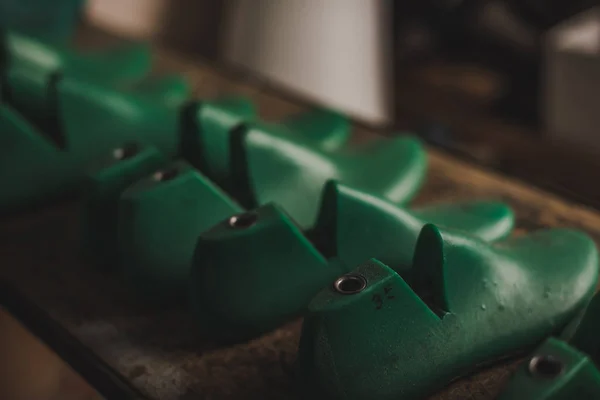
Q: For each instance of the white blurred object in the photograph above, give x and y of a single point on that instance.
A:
(335, 52)
(572, 80)
(132, 18)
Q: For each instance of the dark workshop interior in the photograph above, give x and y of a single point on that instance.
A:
(448, 148)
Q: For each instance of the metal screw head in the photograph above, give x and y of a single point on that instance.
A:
(350, 284)
(243, 221)
(545, 366)
(125, 152)
(165, 175)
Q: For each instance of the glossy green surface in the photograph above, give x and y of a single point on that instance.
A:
(271, 165)
(463, 303)
(106, 181)
(558, 370)
(160, 219)
(248, 281)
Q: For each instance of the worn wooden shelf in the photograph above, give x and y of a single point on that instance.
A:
(157, 349)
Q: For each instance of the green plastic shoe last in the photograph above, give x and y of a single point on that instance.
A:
(160, 219)
(248, 279)
(31, 166)
(94, 119)
(271, 165)
(32, 66)
(466, 303)
(107, 180)
(562, 371)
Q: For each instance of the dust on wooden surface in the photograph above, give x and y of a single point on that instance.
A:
(157, 349)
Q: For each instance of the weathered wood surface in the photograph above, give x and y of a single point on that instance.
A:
(157, 350)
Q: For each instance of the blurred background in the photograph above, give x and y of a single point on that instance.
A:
(513, 85)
